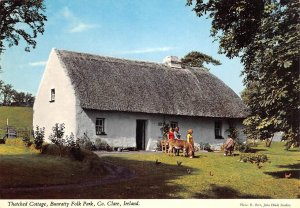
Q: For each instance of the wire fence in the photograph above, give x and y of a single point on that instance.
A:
(14, 132)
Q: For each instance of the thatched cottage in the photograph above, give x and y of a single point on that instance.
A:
(126, 102)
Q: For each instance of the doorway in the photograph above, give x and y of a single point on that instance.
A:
(140, 134)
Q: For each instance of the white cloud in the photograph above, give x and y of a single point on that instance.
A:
(75, 24)
(82, 27)
(38, 63)
(148, 50)
(67, 13)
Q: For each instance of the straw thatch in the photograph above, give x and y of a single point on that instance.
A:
(112, 84)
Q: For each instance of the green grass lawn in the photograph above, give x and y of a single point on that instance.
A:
(212, 176)
(20, 117)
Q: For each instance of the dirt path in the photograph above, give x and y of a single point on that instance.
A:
(115, 174)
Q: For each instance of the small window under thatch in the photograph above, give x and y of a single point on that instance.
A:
(218, 130)
(174, 124)
(52, 95)
(100, 130)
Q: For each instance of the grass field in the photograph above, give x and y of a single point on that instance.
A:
(212, 176)
(20, 117)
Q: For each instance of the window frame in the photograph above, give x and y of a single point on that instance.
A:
(100, 126)
(52, 95)
(173, 124)
(218, 130)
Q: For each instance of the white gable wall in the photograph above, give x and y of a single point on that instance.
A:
(62, 110)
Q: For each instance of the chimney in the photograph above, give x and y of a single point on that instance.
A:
(172, 61)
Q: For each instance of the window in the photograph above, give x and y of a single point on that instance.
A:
(100, 126)
(173, 124)
(218, 130)
(52, 96)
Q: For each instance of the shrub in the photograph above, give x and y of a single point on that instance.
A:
(205, 146)
(86, 143)
(26, 140)
(102, 145)
(74, 148)
(253, 158)
(38, 136)
(57, 136)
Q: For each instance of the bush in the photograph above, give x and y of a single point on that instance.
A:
(86, 143)
(205, 146)
(74, 148)
(102, 145)
(26, 140)
(2, 141)
(38, 136)
(253, 158)
(57, 136)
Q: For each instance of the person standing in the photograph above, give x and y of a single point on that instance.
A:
(177, 135)
(189, 139)
(229, 146)
(170, 134)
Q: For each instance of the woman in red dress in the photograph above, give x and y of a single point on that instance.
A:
(170, 134)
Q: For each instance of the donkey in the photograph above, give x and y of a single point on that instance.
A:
(187, 148)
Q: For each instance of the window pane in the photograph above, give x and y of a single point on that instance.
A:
(218, 129)
(99, 126)
(52, 97)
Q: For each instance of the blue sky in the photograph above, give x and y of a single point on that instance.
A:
(131, 29)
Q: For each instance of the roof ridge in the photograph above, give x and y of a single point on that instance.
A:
(108, 58)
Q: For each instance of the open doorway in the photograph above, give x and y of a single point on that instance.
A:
(140, 134)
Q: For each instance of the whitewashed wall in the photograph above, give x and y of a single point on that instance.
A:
(46, 113)
(120, 127)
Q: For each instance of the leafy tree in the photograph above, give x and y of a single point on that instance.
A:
(17, 17)
(1, 85)
(9, 96)
(265, 35)
(197, 59)
(18, 97)
(7, 92)
(29, 99)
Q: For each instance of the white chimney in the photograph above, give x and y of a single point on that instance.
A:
(172, 61)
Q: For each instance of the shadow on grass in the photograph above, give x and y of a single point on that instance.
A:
(258, 150)
(151, 181)
(292, 166)
(223, 192)
(292, 172)
(295, 174)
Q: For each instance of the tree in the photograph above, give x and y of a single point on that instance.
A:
(265, 35)
(7, 92)
(9, 96)
(197, 59)
(29, 99)
(1, 86)
(17, 17)
(18, 98)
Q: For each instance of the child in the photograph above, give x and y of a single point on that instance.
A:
(189, 138)
(229, 146)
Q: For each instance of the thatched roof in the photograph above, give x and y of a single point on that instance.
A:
(112, 84)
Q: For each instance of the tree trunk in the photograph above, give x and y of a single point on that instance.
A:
(269, 141)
